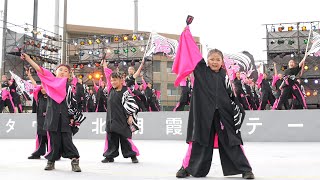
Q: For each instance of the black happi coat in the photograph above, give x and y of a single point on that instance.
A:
(13, 91)
(265, 86)
(55, 110)
(4, 84)
(41, 112)
(290, 75)
(91, 101)
(117, 114)
(212, 92)
(248, 90)
(277, 88)
(79, 92)
(185, 93)
(238, 86)
(101, 97)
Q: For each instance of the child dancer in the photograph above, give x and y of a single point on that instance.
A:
(40, 97)
(130, 82)
(62, 115)
(121, 116)
(6, 98)
(214, 110)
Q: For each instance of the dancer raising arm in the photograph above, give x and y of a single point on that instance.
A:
(62, 116)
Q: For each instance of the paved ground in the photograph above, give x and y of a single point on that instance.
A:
(158, 160)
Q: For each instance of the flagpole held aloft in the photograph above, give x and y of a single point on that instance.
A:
(145, 51)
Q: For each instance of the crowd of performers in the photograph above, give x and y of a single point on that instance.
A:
(283, 91)
(60, 103)
(10, 95)
(89, 99)
(95, 99)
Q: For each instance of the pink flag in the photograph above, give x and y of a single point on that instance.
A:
(274, 80)
(36, 91)
(107, 73)
(55, 87)
(187, 58)
(259, 80)
(158, 94)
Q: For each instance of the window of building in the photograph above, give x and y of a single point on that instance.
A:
(157, 86)
(169, 66)
(156, 66)
(171, 90)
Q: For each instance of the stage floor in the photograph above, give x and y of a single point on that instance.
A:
(158, 160)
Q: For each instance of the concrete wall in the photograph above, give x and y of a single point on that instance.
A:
(259, 126)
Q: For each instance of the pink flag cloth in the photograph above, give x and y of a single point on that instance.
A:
(36, 91)
(183, 83)
(107, 73)
(96, 88)
(274, 80)
(55, 87)
(136, 86)
(144, 85)
(158, 94)
(187, 58)
(259, 80)
(5, 94)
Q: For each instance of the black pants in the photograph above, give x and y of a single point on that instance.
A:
(243, 101)
(5, 103)
(140, 103)
(155, 106)
(295, 104)
(41, 145)
(91, 109)
(60, 144)
(198, 158)
(152, 105)
(252, 103)
(101, 106)
(81, 105)
(17, 103)
(287, 92)
(285, 103)
(111, 149)
(265, 97)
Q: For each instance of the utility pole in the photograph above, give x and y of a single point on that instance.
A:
(135, 29)
(4, 34)
(64, 46)
(35, 17)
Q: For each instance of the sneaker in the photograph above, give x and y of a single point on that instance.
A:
(134, 159)
(248, 175)
(107, 160)
(75, 165)
(182, 173)
(34, 157)
(50, 166)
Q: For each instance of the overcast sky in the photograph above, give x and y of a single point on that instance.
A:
(231, 26)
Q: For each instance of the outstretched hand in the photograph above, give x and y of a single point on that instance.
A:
(72, 73)
(25, 56)
(104, 63)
